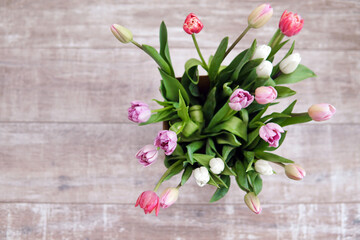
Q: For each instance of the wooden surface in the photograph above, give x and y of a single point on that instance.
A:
(67, 166)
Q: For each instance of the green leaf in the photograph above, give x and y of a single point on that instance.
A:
(228, 171)
(298, 75)
(226, 152)
(161, 117)
(164, 48)
(157, 58)
(255, 181)
(274, 115)
(244, 60)
(172, 86)
(234, 125)
(210, 146)
(183, 110)
(218, 180)
(283, 92)
(272, 157)
(217, 59)
(226, 73)
(244, 115)
(250, 65)
(210, 104)
(164, 103)
(176, 170)
(258, 116)
(276, 49)
(223, 114)
(229, 139)
(296, 119)
(222, 191)
(252, 137)
(192, 63)
(241, 177)
(203, 159)
(186, 175)
(193, 147)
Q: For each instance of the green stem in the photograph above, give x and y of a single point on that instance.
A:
(136, 44)
(237, 40)
(198, 50)
(280, 164)
(276, 39)
(166, 174)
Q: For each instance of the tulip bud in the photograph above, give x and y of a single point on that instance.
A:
(289, 64)
(264, 69)
(168, 197)
(253, 202)
(139, 112)
(294, 171)
(147, 155)
(192, 24)
(202, 176)
(196, 113)
(264, 95)
(123, 34)
(240, 99)
(290, 23)
(261, 51)
(260, 15)
(321, 112)
(263, 167)
(217, 165)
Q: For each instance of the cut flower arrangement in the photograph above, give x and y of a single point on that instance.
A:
(217, 126)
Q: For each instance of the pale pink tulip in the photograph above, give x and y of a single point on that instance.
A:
(167, 141)
(168, 197)
(271, 133)
(147, 155)
(321, 112)
(264, 95)
(294, 171)
(253, 202)
(240, 99)
(139, 112)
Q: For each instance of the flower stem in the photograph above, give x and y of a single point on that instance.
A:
(276, 39)
(198, 50)
(237, 40)
(166, 174)
(136, 44)
(280, 164)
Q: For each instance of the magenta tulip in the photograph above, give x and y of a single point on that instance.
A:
(169, 197)
(147, 155)
(240, 99)
(271, 133)
(139, 112)
(167, 141)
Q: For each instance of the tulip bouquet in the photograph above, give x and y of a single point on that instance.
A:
(219, 125)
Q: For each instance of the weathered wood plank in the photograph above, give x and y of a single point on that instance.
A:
(228, 222)
(95, 163)
(81, 85)
(85, 24)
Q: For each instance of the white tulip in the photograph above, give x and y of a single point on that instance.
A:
(202, 176)
(261, 51)
(263, 167)
(289, 64)
(264, 69)
(217, 165)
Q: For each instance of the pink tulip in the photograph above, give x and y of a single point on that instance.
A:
(240, 99)
(192, 24)
(271, 134)
(149, 201)
(168, 197)
(260, 15)
(294, 171)
(321, 112)
(139, 112)
(264, 95)
(253, 202)
(290, 23)
(167, 141)
(147, 155)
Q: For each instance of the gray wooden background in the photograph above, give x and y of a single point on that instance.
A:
(67, 166)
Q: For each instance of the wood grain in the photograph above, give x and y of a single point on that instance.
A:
(85, 24)
(185, 222)
(95, 163)
(67, 166)
(81, 85)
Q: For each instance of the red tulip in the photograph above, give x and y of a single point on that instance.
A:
(149, 201)
(192, 24)
(290, 23)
